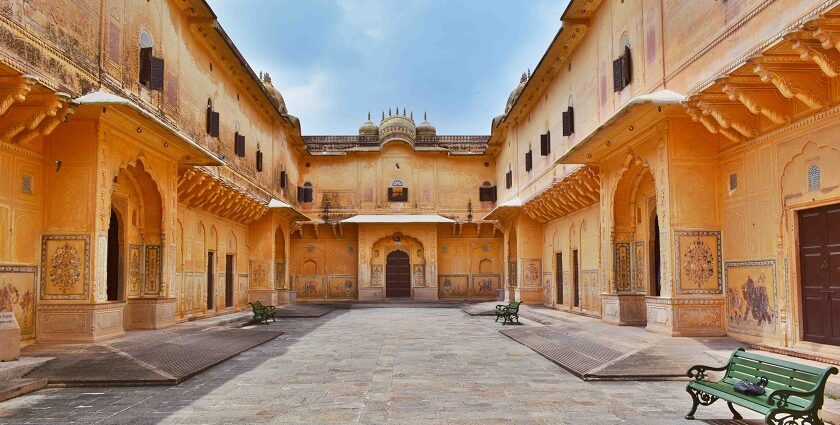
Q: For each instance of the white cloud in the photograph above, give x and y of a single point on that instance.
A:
(308, 95)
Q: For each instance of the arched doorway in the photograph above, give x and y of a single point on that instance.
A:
(114, 274)
(655, 260)
(398, 275)
(636, 252)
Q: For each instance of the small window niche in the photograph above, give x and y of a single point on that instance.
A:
(487, 192)
(397, 192)
(814, 177)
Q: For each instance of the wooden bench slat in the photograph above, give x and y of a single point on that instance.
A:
(798, 374)
(801, 367)
(772, 378)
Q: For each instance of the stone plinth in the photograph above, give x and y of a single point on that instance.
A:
(376, 293)
(79, 323)
(531, 295)
(270, 296)
(425, 294)
(149, 313)
(686, 316)
(9, 337)
(625, 309)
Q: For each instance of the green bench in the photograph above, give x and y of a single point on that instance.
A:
(263, 313)
(508, 312)
(793, 395)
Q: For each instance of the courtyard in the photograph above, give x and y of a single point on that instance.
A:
(397, 364)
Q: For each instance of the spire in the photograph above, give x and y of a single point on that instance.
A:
(403, 111)
(383, 115)
(389, 112)
(425, 117)
(368, 115)
(412, 115)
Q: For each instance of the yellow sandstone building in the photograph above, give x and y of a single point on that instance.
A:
(668, 164)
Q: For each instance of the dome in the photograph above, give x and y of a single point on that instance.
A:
(276, 97)
(425, 128)
(517, 91)
(399, 126)
(369, 128)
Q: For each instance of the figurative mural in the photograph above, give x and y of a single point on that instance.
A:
(484, 286)
(17, 294)
(752, 299)
(342, 287)
(453, 286)
(310, 287)
(532, 272)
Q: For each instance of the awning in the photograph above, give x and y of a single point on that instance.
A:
(293, 213)
(397, 218)
(505, 209)
(199, 154)
(646, 109)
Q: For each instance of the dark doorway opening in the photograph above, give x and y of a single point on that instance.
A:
(558, 276)
(211, 260)
(819, 262)
(398, 275)
(655, 259)
(229, 280)
(575, 275)
(113, 261)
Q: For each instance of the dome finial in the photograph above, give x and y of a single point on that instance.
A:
(383, 115)
(403, 111)
(425, 116)
(389, 112)
(368, 115)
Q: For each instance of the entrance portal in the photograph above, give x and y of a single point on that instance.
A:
(398, 275)
(819, 260)
(229, 280)
(113, 264)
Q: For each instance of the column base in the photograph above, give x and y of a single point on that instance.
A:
(272, 296)
(424, 293)
(686, 316)
(149, 313)
(376, 293)
(79, 323)
(623, 309)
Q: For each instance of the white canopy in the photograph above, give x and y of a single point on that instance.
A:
(294, 212)
(397, 218)
(504, 209)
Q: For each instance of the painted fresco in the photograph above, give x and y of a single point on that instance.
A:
(342, 287)
(310, 287)
(590, 292)
(280, 275)
(153, 270)
(135, 269)
(531, 272)
(547, 296)
(259, 274)
(419, 272)
(65, 261)
(622, 266)
(752, 297)
(698, 262)
(512, 274)
(484, 286)
(376, 275)
(17, 294)
(453, 286)
(639, 262)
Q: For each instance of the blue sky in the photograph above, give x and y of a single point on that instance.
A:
(333, 60)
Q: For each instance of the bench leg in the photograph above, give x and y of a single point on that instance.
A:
(784, 417)
(698, 398)
(735, 414)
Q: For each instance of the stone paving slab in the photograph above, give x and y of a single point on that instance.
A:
(158, 357)
(593, 350)
(481, 309)
(304, 310)
(377, 366)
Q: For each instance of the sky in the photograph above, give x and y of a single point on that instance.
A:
(335, 60)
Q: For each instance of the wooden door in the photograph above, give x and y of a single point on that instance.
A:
(575, 276)
(558, 276)
(819, 262)
(398, 275)
(229, 280)
(211, 259)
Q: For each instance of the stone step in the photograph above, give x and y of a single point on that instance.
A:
(20, 367)
(18, 387)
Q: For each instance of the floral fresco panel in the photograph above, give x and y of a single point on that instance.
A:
(698, 262)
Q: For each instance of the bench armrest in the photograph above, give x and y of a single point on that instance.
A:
(699, 372)
(779, 398)
(500, 305)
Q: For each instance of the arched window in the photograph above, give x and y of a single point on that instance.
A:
(397, 192)
(145, 39)
(814, 177)
(305, 193)
(623, 65)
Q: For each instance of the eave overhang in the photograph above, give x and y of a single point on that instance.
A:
(576, 190)
(618, 130)
(397, 218)
(191, 153)
(505, 210)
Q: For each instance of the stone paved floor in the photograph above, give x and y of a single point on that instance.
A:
(376, 365)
